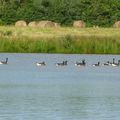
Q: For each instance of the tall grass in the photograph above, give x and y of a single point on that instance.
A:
(64, 44)
(60, 40)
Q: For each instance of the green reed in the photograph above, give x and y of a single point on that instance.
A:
(66, 44)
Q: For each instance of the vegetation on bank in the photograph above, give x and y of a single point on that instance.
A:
(62, 40)
(93, 12)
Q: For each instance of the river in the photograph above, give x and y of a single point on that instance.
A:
(29, 92)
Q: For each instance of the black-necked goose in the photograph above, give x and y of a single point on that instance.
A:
(115, 64)
(64, 63)
(107, 63)
(4, 62)
(96, 65)
(83, 63)
(41, 64)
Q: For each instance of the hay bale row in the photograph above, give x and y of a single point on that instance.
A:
(46, 24)
(39, 24)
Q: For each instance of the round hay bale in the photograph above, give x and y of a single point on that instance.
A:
(45, 24)
(79, 24)
(21, 23)
(33, 24)
(117, 24)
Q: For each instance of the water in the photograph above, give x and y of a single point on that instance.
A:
(28, 92)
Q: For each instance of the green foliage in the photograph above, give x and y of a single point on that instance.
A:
(93, 12)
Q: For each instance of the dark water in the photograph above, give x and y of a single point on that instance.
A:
(28, 92)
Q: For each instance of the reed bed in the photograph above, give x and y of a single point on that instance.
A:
(60, 40)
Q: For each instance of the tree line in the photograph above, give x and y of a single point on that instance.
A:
(93, 12)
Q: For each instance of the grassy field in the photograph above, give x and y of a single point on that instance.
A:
(60, 40)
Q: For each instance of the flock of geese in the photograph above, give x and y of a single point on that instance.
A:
(82, 63)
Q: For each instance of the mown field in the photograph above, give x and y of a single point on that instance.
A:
(60, 40)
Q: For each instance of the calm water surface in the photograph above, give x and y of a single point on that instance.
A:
(28, 92)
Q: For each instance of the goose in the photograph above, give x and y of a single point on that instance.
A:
(80, 63)
(4, 62)
(97, 65)
(107, 63)
(41, 64)
(113, 63)
(110, 63)
(116, 64)
(64, 63)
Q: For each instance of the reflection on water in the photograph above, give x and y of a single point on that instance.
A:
(28, 92)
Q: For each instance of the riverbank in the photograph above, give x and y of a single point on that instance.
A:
(60, 40)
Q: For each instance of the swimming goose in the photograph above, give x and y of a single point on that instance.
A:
(83, 63)
(4, 62)
(64, 63)
(41, 64)
(97, 65)
(107, 63)
(116, 64)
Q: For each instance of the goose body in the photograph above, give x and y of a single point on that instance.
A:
(41, 64)
(64, 63)
(80, 63)
(114, 64)
(4, 62)
(96, 65)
